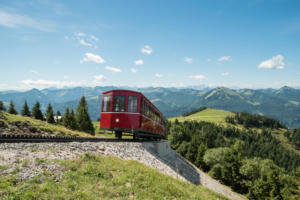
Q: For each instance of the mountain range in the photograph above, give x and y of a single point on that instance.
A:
(282, 104)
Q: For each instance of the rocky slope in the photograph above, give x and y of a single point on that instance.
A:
(27, 160)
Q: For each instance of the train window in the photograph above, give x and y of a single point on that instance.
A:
(119, 104)
(107, 104)
(147, 110)
(152, 114)
(132, 104)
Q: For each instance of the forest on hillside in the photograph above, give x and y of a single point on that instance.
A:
(251, 161)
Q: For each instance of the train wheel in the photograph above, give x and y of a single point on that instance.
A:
(118, 134)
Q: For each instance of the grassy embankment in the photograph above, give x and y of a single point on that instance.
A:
(103, 177)
(16, 124)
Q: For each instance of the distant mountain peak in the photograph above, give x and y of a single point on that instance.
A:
(222, 92)
(223, 89)
(287, 88)
(33, 91)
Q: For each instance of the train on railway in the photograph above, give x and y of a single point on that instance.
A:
(130, 112)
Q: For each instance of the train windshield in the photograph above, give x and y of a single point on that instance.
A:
(119, 104)
(107, 104)
(132, 104)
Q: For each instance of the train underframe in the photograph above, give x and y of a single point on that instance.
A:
(136, 134)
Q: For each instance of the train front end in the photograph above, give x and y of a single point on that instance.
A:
(120, 111)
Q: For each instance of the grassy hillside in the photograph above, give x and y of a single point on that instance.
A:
(208, 115)
(101, 177)
(16, 124)
(218, 117)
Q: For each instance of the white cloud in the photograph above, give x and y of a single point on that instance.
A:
(113, 69)
(133, 70)
(49, 83)
(188, 60)
(198, 77)
(275, 62)
(139, 62)
(34, 72)
(208, 59)
(146, 50)
(84, 43)
(93, 58)
(80, 34)
(84, 39)
(94, 38)
(224, 58)
(159, 75)
(225, 73)
(98, 79)
(14, 20)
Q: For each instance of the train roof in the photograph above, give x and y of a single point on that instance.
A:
(118, 90)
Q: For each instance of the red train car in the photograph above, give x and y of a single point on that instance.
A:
(131, 112)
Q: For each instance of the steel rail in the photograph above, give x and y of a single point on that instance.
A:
(16, 138)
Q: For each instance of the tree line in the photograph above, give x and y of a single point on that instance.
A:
(254, 121)
(251, 163)
(194, 111)
(80, 120)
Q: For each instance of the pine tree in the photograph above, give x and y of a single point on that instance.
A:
(82, 117)
(12, 109)
(73, 122)
(25, 110)
(192, 150)
(2, 108)
(58, 113)
(36, 111)
(59, 118)
(49, 114)
(199, 158)
(66, 118)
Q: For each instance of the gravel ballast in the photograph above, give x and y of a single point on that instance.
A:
(27, 160)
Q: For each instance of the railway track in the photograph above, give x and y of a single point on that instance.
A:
(15, 138)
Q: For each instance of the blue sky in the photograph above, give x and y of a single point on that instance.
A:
(232, 43)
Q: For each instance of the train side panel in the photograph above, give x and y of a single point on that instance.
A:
(148, 125)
